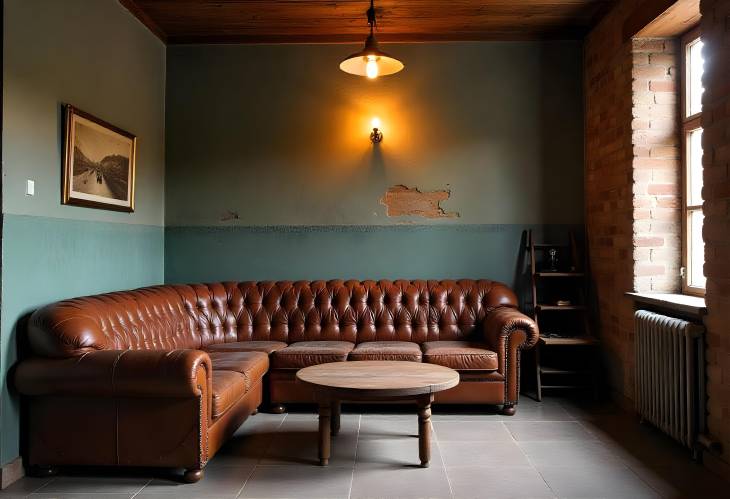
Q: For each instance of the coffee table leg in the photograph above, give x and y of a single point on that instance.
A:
(325, 416)
(336, 408)
(424, 429)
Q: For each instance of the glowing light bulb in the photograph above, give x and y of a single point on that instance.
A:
(371, 67)
(375, 122)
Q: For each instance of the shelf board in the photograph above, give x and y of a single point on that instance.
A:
(575, 340)
(552, 370)
(559, 274)
(548, 246)
(559, 307)
(566, 387)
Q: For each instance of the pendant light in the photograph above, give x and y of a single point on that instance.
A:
(371, 61)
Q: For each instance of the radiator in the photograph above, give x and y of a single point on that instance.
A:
(670, 378)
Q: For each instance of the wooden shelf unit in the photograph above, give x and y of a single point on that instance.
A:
(571, 320)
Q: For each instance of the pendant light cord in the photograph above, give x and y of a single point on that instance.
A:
(371, 16)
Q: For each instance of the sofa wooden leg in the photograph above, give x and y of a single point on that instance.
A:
(192, 475)
(255, 411)
(277, 408)
(42, 471)
(509, 409)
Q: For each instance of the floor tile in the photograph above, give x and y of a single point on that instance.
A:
(310, 424)
(496, 454)
(389, 453)
(489, 482)
(689, 481)
(302, 448)
(224, 482)
(389, 428)
(25, 486)
(302, 481)
(403, 482)
(569, 453)
(95, 485)
(637, 444)
(471, 431)
(548, 431)
(608, 481)
(92, 495)
(540, 413)
(242, 451)
(261, 423)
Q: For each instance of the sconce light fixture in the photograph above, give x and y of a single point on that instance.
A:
(376, 135)
(371, 61)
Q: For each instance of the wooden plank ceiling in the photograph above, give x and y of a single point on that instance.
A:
(339, 21)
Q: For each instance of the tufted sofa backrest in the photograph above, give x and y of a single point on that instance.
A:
(198, 315)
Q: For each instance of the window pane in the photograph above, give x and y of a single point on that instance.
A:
(694, 77)
(694, 168)
(696, 249)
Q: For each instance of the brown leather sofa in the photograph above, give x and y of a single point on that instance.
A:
(162, 376)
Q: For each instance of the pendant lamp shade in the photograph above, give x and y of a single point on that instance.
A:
(371, 61)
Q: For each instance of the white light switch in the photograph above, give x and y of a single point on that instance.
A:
(30, 188)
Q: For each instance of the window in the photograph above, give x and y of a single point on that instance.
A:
(693, 253)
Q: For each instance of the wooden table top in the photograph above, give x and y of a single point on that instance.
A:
(375, 378)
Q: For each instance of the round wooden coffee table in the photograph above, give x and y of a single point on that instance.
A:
(373, 381)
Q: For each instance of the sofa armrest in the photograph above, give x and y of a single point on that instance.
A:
(502, 323)
(507, 331)
(118, 373)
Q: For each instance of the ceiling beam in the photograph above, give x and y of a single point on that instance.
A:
(142, 16)
(661, 18)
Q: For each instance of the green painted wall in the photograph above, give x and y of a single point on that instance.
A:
(95, 55)
(279, 135)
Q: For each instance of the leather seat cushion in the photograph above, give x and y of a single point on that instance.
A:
(310, 353)
(248, 346)
(387, 350)
(228, 388)
(460, 355)
(252, 365)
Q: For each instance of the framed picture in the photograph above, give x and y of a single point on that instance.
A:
(98, 166)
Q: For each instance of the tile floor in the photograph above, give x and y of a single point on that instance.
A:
(558, 448)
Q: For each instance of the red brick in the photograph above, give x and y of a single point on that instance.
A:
(662, 189)
(662, 86)
(648, 241)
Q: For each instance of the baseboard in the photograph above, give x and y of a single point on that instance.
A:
(11, 472)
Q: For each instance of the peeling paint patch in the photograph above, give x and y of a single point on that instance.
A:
(406, 201)
(229, 216)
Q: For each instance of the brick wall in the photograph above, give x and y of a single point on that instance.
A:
(608, 187)
(632, 188)
(716, 161)
(656, 169)
(631, 182)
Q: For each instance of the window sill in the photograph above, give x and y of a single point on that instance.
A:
(693, 306)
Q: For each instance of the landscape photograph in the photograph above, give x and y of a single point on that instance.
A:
(99, 168)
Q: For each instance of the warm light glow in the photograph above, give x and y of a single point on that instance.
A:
(375, 122)
(371, 68)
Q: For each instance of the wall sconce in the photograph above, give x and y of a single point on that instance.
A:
(376, 135)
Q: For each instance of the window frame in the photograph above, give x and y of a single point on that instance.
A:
(687, 124)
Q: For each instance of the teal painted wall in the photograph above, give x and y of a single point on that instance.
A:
(49, 259)
(352, 252)
(95, 55)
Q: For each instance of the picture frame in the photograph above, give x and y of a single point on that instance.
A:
(99, 163)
